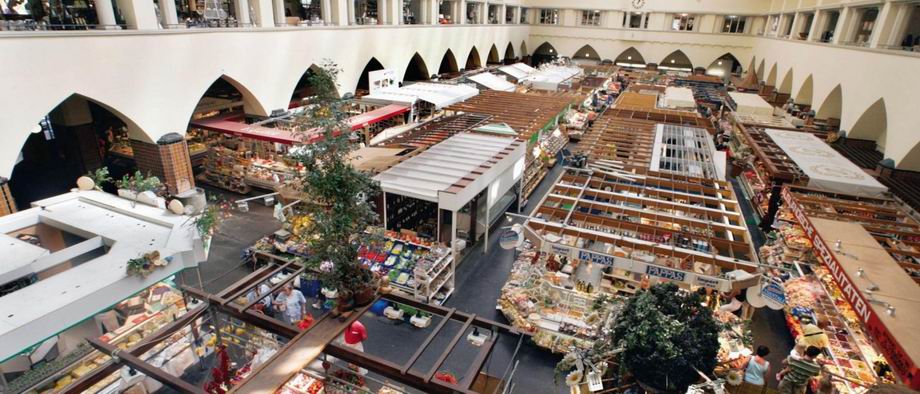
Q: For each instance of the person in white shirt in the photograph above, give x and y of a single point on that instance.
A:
(266, 301)
(292, 304)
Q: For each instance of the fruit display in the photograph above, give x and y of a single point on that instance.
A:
(416, 269)
(302, 384)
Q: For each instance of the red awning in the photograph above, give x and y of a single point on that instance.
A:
(232, 124)
(378, 115)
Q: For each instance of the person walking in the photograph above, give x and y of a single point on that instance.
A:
(756, 370)
(794, 378)
(292, 304)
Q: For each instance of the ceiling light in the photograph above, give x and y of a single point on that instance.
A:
(629, 58)
(720, 62)
(672, 60)
(551, 50)
(684, 14)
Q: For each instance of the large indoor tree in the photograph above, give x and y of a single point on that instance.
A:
(667, 336)
(336, 193)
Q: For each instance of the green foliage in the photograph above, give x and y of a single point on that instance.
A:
(100, 177)
(337, 192)
(667, 333)
(139, 266)
(209, 220)
(139, 183)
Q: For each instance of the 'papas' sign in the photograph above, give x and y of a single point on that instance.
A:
(900, 361)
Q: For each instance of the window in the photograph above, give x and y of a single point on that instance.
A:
(635, 20)
(525, 13)
(787, 25)
(591, 18)
(734, 24)
(549, 16)
(509, 15)
(682, 22)
(866, 25)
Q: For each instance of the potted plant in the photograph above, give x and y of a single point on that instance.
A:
(667, 336)
(140, 188)
(338, 200)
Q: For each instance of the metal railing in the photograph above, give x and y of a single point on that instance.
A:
(32, 25)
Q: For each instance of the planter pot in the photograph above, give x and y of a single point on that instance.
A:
(364, 296)
(393, 313)
(128, 194)
(420, 322)
(150, 198)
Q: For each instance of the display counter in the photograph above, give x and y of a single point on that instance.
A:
(416, 267)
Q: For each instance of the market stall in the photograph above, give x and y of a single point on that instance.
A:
(491, 81)
(518, 72)
(552, 77)
(71, 247)
(750, 104)
(677, 98)
(687, 151)
(867, 311)
(457, 188)
(422, 98)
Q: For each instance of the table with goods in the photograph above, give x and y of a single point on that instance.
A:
(240, 164)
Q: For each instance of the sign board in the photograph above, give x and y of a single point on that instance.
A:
(381, 79)
(773, 294)
(512, 237)
(899, 359)
(636, 266)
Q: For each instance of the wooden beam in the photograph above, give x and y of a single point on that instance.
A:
(450, 347)
(145, 368)
(421, 349)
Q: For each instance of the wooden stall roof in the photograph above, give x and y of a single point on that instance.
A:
(525, 112)
(658, 115)
(778, 165)
(435, 131)
(703, 78)
(889, 221)
(635, 100)
(625, 140)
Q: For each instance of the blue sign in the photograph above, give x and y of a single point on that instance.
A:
(595, 258)
(661, 272)
(774, 292)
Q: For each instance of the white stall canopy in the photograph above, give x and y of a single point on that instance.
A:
(453, 172)
(751, 104)
(675, 97)
(517, 71)
(549, 76)
(826, 169)
(493, 82)
(439, 95)
(68, 293)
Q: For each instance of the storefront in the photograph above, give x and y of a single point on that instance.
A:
(75, 250)
(866, 310)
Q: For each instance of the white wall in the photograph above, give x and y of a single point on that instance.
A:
(154, 80)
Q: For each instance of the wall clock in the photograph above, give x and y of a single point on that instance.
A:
(638, 3)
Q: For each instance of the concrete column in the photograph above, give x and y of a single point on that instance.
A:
(644, 18)
(424, 12)
(382, 12)
(278, 12)
(843, 25)
(167, 159)
(884, 24)
(814, 32)
(395, 12)
(241, 9)
(461, 15)
(435, 7)
(502, 13)
(325, 10)
(105, 13)
(262, 12)
(797, 21)
(350, 7)
(139, 14)
(902, 22)
(168, 16)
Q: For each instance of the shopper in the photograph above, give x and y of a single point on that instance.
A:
(292, 304)
(795, 377)
(265, 303)
(755, 371)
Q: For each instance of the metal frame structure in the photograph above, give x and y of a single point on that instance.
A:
(315, 340)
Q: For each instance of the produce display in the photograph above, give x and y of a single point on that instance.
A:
(412, 265)
(541, 299)
(302, 384)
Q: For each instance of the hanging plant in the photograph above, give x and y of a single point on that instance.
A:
(209, 220)
(144, 265)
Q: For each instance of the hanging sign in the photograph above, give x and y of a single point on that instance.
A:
(512, 237)
(596, 258)
(661, 272)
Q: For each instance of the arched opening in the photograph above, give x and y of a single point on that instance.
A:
(304, 87)
(545, 53)
(760, 69)
(524, 49)
(805, 94)
(630, 58)
(448, 64)
(417, 70)
(771, 77)
(493, 56)
(509, 54)
(725, 65)
(587, 53)
(77, 136)
(872, 124)
(473, 60)
(832, 107)
(911, 162)
(677, 60)
(785, 86)
(363, 81)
